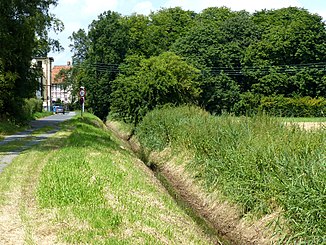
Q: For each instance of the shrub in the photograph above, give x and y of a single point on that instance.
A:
(248, 104)
(294, 107)
(30, 107)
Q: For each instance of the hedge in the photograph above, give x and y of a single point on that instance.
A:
(293, 107)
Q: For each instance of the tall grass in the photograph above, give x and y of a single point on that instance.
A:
(256, 162)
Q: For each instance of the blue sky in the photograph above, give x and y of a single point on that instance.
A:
(77, 14)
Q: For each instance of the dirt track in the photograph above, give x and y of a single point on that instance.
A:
(309, 125)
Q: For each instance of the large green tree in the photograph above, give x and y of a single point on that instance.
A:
(148, 83)
(108, 45)
(24, 27)
(79, 46)
(201, 45)
(291, 46)
(166, 26)
(217, 44)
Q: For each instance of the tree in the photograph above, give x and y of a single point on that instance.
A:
(220, 93)
(24, 29)
(217, 44)
(137, 26)
(291, 39)
(166, 26)
(108, 45)
(201, 45)
(108, 39)
(80, 46)
(218, 39)
(160, 80)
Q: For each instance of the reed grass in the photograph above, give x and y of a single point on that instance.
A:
(257, 162)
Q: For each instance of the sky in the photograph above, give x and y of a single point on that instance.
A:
(77, 14)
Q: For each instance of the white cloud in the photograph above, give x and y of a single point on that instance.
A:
(143, 8)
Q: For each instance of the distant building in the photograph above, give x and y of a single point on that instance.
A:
(45, 80)
(60, 90)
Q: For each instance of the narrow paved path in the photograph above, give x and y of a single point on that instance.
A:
(52, 121)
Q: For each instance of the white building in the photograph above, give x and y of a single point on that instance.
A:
(51, 87)
(60, 90)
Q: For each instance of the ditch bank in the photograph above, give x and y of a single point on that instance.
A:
(215, 216)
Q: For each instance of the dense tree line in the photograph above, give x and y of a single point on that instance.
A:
(24, 27)
(220, 59)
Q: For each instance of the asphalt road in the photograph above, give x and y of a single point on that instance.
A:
(6, 157)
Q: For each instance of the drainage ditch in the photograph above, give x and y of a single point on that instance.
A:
(208, 228)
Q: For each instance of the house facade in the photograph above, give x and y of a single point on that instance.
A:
(60, 90)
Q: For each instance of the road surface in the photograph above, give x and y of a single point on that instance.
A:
(6, 157)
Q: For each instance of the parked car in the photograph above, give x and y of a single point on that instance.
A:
(59, 109)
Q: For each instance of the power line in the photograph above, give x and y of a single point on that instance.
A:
(232, 71)
(246, 70)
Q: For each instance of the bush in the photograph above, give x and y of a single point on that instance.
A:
(294, 107)
(248, 104)
(220, 93)
(251, 104)
(30, 107)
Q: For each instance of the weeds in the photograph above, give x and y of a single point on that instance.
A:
(256, 162)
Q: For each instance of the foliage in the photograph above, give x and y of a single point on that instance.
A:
(269, 53)
(6, 87)
(136, 27)
(165, 79)
(292, 41)
(166, 26)
(255, 162)
(108, 44)
(79, 47)
(24, 27)
(248, 104)
(8, 127)
(108, 39)
(221, 94)
(294, 107)
(30, 107)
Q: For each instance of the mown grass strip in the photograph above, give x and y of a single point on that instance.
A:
(105, 197)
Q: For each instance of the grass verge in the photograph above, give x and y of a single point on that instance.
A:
(7, 127)
(82, 187)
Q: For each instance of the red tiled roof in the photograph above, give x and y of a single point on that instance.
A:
(55, 71)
